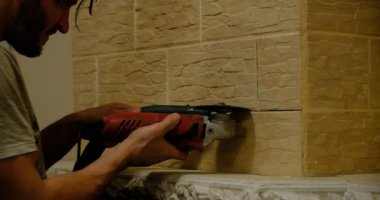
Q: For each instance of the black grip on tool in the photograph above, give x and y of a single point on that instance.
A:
(92, 152)
(94, 148)
(174, 109)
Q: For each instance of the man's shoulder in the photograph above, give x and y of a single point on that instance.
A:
(5, 51)
(8, 61)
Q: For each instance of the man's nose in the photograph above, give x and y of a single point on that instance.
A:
(63, 24)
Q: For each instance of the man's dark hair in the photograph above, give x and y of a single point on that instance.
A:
(80, 5)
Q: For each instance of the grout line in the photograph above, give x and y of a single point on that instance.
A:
(341, 110)
(97, 80)
(303, 86)
(257, 74)
(316, 111)
(369, 72)
(344, 34)
(200, 21)
(134, 25)
(167, 77)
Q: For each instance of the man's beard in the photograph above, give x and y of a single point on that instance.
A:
(25, 28)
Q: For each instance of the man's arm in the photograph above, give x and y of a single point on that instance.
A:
(19, 178)
(58, 138)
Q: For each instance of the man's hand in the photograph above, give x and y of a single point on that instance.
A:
(146, 145)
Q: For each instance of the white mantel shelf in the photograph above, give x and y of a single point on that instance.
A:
(150, 183)
(169, 184)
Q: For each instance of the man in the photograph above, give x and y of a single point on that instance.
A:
(26, 25)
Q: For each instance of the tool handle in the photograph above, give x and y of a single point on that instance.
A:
(187, 135)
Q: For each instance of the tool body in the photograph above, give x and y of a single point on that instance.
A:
(187, 135)
(198, 127)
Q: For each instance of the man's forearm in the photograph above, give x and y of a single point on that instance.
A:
(84, 184)
(93, 179)
(19, 179)
(58, 138)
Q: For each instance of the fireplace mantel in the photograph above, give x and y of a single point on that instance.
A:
(163, 183)
(153, 183)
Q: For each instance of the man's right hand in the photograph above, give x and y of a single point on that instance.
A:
(146, 145)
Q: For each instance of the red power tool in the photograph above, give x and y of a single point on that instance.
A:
(198, 127)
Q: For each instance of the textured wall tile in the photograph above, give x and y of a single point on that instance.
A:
(215, 73)
(110, 29)
(375, 74)
(344, 142)
(338, 72)
(231, 18)
(162, 22)
(277, 145)
(354, 16)
(85, 83)
(279, 76)
(136, 78)
(267, 143)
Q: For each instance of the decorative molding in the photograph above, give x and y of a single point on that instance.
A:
(184, 185)
(157, 184)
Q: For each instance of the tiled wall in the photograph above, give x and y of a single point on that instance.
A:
(245, 53)
(342, 102)
(201, 52)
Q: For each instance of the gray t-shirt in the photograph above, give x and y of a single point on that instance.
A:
(19, 132)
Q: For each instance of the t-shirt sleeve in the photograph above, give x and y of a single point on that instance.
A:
(16, 131)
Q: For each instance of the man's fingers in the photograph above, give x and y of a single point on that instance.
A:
(180, 155)
(168, 123)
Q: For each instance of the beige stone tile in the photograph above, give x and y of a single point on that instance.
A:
(338, 73)
(358, 16)
(228, 18)
(162, 22)
(253, 150)
(281, 134)
(214, 73)
(85, 83)
(341, 143)
(375, 74)
(110, 29)
(136, 78)
(279, 79)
